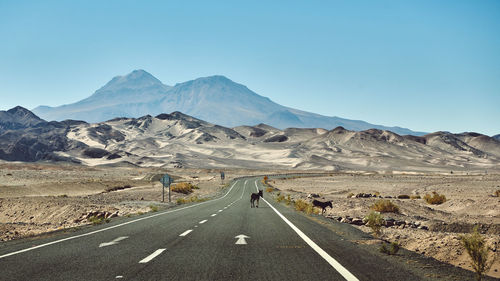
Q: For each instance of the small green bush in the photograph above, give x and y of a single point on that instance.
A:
(435, 198)
(96, 220)
(181, 201)
(374, 220)
(478, 251)
(153, 208)
(391, 250)
(385, 206)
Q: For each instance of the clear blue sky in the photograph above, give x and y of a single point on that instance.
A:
(425, 65)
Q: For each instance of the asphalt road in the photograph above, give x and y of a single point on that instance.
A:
(221, 239)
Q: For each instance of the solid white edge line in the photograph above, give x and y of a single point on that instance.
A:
(335, 264)
(152, 256)
(186, 232)
(111, 227)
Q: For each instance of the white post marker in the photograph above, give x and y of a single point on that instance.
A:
(241, 239)
(113, 242)
(334, 263)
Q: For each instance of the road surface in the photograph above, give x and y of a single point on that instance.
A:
(221, 239)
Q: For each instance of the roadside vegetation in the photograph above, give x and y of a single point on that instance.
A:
(435, 198)
(480, 258)
(374, 220)
(190, 200)
(392, 249)
(385, 206)
(183, 187)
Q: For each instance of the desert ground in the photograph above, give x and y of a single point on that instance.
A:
(432, 230)
(36, 198)
(39, 198)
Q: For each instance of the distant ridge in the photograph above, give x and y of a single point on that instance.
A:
(215, 99)
(179, 140)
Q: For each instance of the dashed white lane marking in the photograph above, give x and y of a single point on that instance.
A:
(225, 208)
(203, 221)
(152, 256)
(114, 226)
(213, 215)
(186, 232)
(335, 264)
(119, 277)
(220, 211)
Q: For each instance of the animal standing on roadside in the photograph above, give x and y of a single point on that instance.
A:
(322, 205)
(253, 197)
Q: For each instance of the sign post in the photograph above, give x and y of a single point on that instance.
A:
(166, 180)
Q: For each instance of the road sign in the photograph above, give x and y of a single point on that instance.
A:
(166, 180)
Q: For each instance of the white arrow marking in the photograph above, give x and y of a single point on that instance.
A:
(113, 242)
(152, 256)
(241, 239)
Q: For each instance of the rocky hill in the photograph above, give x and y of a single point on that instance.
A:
(180, 140)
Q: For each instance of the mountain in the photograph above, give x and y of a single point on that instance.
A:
(18, 118)
(180, 140)
(135, 94)
(497, 137)
(216, 99)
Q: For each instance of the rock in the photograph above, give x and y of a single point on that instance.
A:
(312, 195)
(357, 221)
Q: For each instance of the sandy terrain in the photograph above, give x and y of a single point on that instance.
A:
(469, 202)
(38, 198)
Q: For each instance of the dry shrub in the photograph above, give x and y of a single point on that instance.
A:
(392, 250)
(435, 198)
(374, 220)
(288, 200)
(385, 206)
(350, 195)
(181, 201)
(403, 196)
(304, 206)
(415, 197)
(497, 193)
(301, 205)
(269, 189)
(183, 187)
(478, 251)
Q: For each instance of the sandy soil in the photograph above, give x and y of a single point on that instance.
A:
(469, 202)
(38, 198)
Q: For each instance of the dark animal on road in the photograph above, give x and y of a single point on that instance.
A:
(322, 205)
(253, 197)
